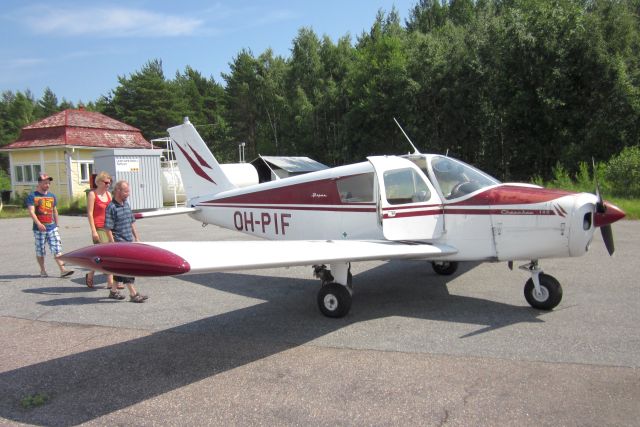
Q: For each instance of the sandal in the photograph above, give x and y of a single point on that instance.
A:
(66, 273)
(116, 295)
(138, 298)
(88, 281)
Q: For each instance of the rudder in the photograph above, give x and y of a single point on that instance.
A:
(200, 171)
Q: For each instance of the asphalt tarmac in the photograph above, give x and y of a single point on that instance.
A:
(251, 348)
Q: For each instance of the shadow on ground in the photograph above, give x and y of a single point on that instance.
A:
(90, 384)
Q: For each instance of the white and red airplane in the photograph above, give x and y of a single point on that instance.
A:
(416, 206)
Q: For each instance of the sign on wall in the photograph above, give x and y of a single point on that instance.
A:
(127, 165)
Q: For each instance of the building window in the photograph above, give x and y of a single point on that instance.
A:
(27, 174)
(86, 169)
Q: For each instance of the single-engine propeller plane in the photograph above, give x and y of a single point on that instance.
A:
(415, 206)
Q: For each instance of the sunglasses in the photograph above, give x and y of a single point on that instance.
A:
(106, 182)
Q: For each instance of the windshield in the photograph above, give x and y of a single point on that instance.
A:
(457, 179)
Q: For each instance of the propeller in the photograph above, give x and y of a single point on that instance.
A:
(601, 215)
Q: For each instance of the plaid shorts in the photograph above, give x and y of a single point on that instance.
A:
(51, 236)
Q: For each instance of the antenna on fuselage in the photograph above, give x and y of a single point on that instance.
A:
(415, 150)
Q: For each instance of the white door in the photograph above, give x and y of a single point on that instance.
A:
(409, 207)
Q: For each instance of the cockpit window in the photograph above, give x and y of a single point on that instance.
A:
(405, 186)
(457, 179)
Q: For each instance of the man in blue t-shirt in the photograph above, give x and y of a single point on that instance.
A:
(42, 207)
(119, 223)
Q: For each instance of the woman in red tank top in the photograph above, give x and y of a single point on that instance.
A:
(97, 201)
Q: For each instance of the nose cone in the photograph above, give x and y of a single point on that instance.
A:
(611, 214)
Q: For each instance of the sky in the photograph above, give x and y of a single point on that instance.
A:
(79, 48)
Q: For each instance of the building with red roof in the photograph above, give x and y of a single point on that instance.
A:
(63, 145)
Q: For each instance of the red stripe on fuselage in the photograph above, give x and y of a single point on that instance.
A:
(369, 207)
(321, 192)
(322, 195)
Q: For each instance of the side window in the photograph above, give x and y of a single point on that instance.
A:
(405, 186)
(356, 188)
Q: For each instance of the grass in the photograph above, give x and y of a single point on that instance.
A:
(16, 210)
(630, 206)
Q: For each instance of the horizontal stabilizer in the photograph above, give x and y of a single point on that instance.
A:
(164, 212)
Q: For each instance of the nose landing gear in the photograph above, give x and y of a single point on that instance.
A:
(541, 291)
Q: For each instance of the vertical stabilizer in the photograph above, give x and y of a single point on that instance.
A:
(200, 171)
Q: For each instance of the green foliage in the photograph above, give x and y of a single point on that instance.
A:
(34, 400)
(561, 178)
(77, 206)
(5, 181)
(145, 100)
(623, 172)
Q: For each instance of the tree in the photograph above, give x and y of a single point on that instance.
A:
(380, 88)
(202, 100)
(48, 104)
(240, 97)
(144, 100)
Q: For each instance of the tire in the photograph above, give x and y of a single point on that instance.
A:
(551, 293)
(444, 268)
(334, 300)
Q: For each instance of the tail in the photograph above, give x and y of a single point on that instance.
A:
(200, 171)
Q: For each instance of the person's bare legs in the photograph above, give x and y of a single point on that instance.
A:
(41, 264)
(60, 264)
(132, 290)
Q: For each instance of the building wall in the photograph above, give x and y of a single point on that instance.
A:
(60, 163)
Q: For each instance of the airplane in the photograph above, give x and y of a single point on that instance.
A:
(416, 206)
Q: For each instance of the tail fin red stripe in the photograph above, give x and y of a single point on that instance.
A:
(200, 159)
(198, 170)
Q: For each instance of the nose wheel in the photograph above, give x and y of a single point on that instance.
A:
(541, 291)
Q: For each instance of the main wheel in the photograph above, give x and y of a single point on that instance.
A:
(334, 300)
(444, 268)
(550, 293)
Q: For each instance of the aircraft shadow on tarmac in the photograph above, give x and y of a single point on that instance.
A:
(90, 384)
(9, 277)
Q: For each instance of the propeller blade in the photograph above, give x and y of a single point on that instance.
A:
(607, 236)
(600, 206)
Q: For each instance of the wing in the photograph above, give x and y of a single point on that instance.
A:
(173, 258)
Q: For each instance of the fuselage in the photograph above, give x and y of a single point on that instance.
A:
(417, 197)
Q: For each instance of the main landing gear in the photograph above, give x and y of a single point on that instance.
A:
(444, 268)
(541, 291)
(334, 297)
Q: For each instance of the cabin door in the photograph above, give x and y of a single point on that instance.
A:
(409, 207)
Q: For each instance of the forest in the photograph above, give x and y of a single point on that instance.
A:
(511, 86)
